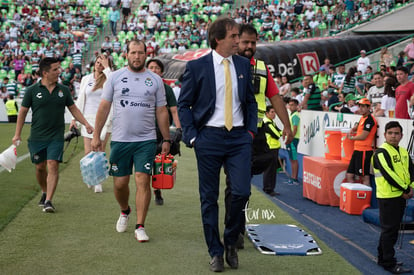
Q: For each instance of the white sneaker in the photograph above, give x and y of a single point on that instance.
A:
(122, 223)
(140, 235)
(98, 188)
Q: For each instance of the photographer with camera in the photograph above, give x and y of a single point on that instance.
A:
(88, 101)
(48, 100)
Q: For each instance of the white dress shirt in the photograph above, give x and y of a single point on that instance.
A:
(217, 119)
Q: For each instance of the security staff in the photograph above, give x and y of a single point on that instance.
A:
(394, 176)
(12, 109)
(272, 133)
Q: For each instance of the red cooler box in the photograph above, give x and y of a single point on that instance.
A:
(355, 197)
(164, 172)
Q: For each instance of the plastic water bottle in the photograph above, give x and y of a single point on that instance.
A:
(94, 168)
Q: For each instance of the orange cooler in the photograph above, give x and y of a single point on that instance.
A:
(347, 146)
(333, 143)
(355, 197)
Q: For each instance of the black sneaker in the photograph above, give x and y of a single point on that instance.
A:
(49, 208)
(42, 200)
(158, 198)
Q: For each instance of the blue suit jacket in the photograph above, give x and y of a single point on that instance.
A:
(198, 95)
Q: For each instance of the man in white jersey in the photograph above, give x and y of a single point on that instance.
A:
(137, 97)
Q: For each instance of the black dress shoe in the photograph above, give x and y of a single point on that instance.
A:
(240, 242)
(397, 269)
(272, 193)
(231, 256)
(217, 264)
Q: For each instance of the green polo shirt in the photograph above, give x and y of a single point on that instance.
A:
(48, 111)
(171, 100)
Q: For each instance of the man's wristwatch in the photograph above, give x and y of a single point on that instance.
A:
(166, 140)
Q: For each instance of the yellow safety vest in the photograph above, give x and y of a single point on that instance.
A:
(260, 74)
(272, 133)
(392, 171)
(11, 107)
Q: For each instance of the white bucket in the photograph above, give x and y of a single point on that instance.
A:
(8, 158)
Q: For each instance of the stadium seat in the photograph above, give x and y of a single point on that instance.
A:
(187, 18)
(33, 46)
(28, 69)
(3, 73)
(121, 35)
(322, 26)
(11, 74)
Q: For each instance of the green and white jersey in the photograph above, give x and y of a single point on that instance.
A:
(28, 52)
(134, 98)
(50, 52)
(116, 45)
(349, 87)
(11, 88)
(338, 79)
(77, 59)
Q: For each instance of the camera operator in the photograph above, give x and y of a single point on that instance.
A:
(48, 100)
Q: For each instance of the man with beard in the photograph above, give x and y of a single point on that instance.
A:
(138, 98)
(264, 86)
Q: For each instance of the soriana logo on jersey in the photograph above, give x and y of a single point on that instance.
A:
(191, 55)
(309, 62)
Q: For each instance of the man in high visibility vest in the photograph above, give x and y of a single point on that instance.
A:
(272, 133)
(12, 109)
(394, 176)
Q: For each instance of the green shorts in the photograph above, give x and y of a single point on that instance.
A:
(41, 151)
(126, 154)
(292, 149)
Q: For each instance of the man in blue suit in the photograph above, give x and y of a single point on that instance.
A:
(203, 112)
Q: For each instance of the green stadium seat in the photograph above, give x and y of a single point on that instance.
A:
(28, 69)
(130, 35)
(33, 46)
(322, 26)
(3, 73)
(11, 74)
(187, 18)
(121, 35)
(64, 64)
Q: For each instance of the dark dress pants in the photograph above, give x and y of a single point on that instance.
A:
(270, 173)
(215, 148)
(391, 212)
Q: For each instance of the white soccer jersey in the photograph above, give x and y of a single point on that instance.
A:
(134, 98)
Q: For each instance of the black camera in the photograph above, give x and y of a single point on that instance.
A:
(73, 132)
